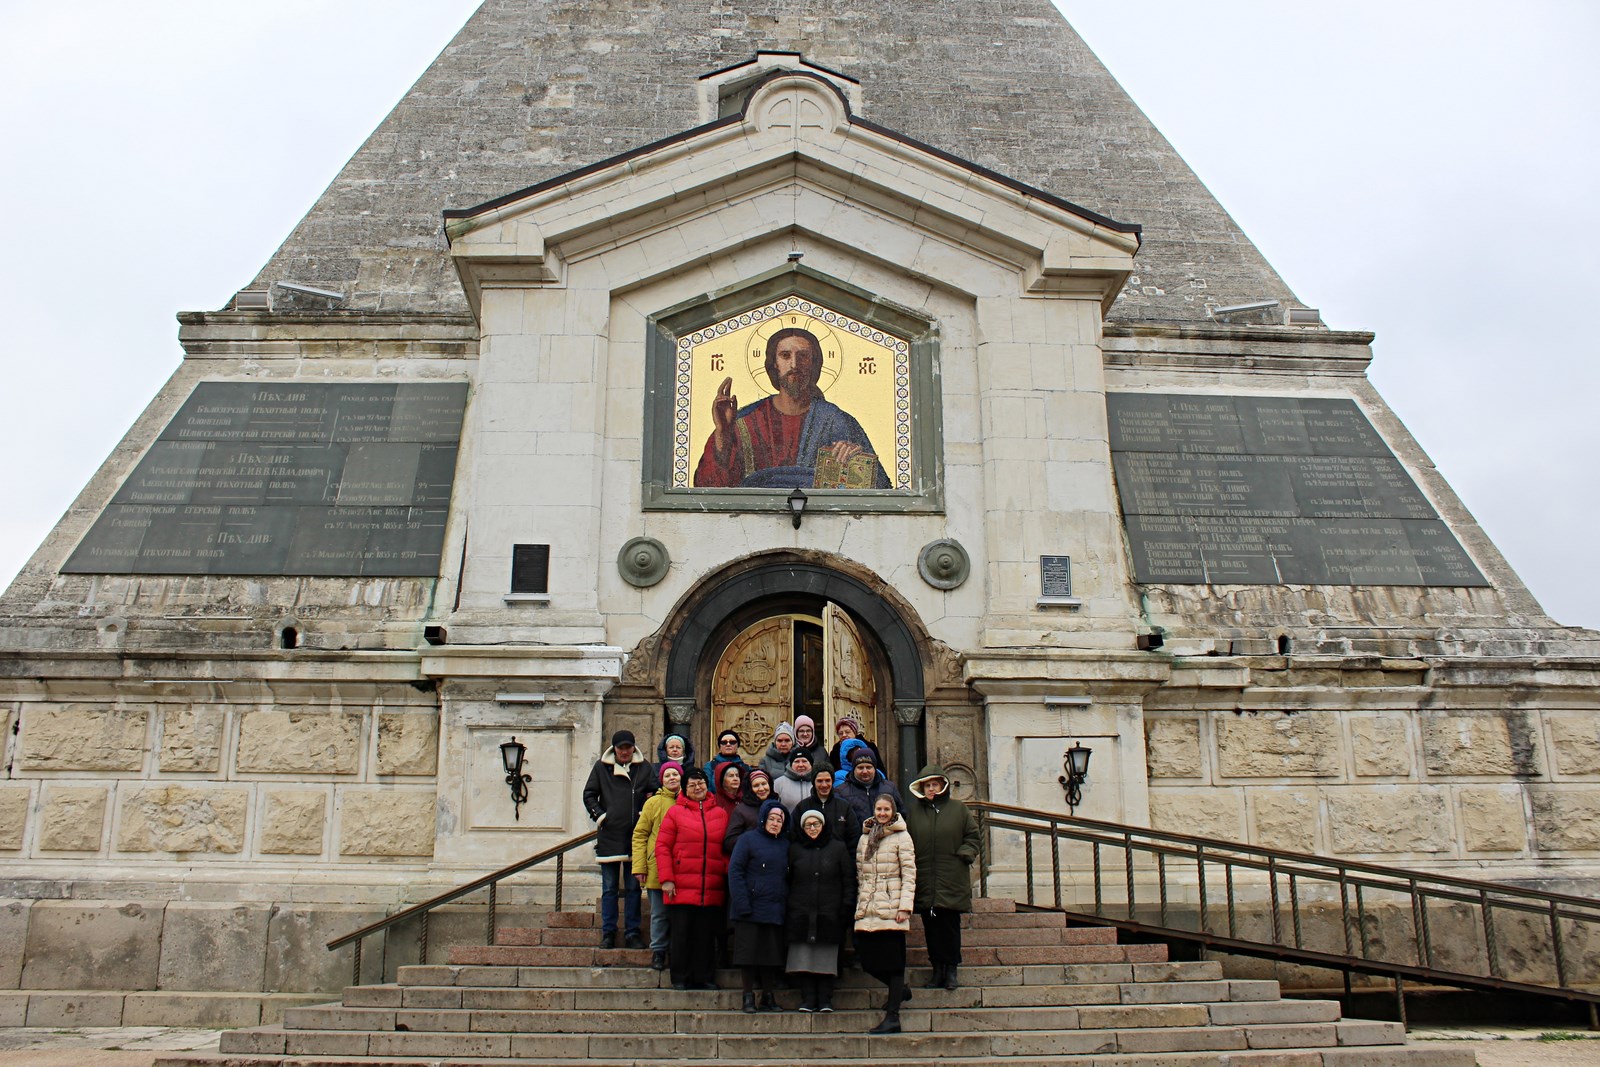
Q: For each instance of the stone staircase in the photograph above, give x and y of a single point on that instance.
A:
(1035, 992)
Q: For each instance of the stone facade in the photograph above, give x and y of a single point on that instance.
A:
(322, 749)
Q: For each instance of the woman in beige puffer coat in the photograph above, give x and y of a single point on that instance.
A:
(886, 879)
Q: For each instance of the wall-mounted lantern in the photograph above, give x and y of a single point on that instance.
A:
(797, 506)
(511, 754)
(1076, 763)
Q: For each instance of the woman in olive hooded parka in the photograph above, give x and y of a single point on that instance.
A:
(946, 838)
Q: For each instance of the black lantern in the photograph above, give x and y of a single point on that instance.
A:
(797, 505)
(511, 754)
(1076, 763)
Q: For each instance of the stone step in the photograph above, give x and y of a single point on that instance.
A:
(805, 1037)
(643, 977)
(1058, 934)
(1356, 1056)
(974, 956)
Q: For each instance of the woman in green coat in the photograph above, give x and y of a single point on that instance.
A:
(946, 838)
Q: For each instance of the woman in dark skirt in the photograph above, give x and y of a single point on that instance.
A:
(822, 897)
(758, 888)
(886, 876)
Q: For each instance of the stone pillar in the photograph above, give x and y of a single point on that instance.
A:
(908, 716)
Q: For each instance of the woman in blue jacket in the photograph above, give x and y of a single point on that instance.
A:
(758, 888)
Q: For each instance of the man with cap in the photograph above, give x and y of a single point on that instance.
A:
(863, 784)
(618, 786)
(843, 826)
(795, 785)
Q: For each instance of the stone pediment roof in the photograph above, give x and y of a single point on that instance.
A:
(529, 91)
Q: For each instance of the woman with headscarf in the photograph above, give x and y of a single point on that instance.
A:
(645, 832)
(886, 877)
(758, 887)
(822, 896)
(776, 761)
(746, 815)
(694, 881)
(729, 786)
(677, 747)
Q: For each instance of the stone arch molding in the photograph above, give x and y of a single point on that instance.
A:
(796, 103)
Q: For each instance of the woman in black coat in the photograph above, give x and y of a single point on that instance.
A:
(822, 901)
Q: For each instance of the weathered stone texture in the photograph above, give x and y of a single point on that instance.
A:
(1492, 819)
(191, 738)
(213, 946)
(292, 822)
(1274, 745)
(74, 945)
(1172, 748)
(14, 801)
(408, 743)
(304, 740)
(1566, 820)
(1575, 741)
(298, 960)
(175, 818)
(1459, 745)
(386, 822)
(1208, 813)
(1381, 746)
(80, 737)
(1389, 820)
(1285, 819)
(13, 936)
(72, 818)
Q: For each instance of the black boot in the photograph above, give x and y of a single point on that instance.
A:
(950, 977)
(749, 1003)
(825, 993)
(936, 980)
(898, 994)
(769, 1002)
(808, 993)
(658, 961)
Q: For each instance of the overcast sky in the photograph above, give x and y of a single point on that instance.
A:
(1422, 169)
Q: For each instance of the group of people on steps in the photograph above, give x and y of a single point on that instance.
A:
(783, 867)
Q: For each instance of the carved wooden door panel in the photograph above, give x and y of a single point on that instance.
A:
(850, 687)
(753, 685)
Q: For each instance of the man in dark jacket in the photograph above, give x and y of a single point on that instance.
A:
(842, 823)
(946, 839)
(863, 785)
(621, 781)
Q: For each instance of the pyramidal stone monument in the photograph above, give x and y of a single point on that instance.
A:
(678, 367)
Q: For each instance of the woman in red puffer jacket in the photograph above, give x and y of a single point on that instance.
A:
(693, 872)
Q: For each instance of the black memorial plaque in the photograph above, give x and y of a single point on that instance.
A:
(298, 479)
(1242, 490)
(1055, 576)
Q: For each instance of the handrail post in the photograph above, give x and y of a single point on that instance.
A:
(561, 873)
(1294, 908)
(1344, 916)
(1200, 882)
(493, 895)
(356, 975)
(1233, 919)
(1272, 883)
(1555, 941)
(1490, 944)
(1099, 892)
(1055, 857)
(1417, 925)
(1127, 863)
(1027, 837)
(422, 939)
(985, 850)
(1161, 881)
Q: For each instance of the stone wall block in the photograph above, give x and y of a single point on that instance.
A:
(1389, 819)
(82, 737)
(1575, 741)
(300, 741)
(1381, 745)
(1205, 813)
(215, 947)
(1285, 819)
(73, 945)
(72, 818)
(1276, 745)
(294, 822)
(1492, 819)
(298, 960)
(14, 803)
(386, 822)
(13, 935)
(1463, 745)
(1172, 748)
(1566, 820)
(408, 743)
(191, 738)
(176, 818)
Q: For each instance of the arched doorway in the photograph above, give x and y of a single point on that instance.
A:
(787, 665)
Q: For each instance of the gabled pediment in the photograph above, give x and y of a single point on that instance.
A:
(795, 159)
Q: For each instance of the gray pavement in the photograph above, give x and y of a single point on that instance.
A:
(138, 1046)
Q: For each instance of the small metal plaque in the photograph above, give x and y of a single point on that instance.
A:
(1055, 576)
(288, 478)
(1245, 490)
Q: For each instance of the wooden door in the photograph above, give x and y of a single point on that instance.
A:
(753, 685)
(850, 688)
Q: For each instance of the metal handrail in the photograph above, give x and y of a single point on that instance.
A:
(489, 881)
(1270, 872)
